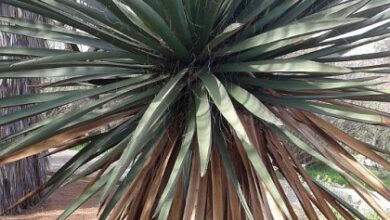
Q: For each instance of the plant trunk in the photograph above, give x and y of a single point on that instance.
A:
(21, 177)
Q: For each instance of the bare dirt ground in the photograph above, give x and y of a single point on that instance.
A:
(58, 202)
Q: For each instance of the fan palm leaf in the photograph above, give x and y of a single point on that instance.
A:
(201, 97)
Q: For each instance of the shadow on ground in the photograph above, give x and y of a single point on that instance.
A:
(58, 202)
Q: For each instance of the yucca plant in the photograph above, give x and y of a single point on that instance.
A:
(201, 96)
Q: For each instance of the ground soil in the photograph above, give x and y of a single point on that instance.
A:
(57, 202)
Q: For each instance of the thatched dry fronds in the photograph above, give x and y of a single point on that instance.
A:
(19, 178)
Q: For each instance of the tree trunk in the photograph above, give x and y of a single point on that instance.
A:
(21, 177)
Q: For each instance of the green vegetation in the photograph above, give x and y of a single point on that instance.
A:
(78, 147)
(201, 97)
(373, 216)
(326, 174)
(369, 216)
